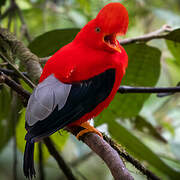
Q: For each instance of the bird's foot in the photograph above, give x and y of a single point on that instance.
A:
(87, 128)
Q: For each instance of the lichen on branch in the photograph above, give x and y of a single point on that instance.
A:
(31, 62)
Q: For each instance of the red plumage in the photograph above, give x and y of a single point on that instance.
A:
(88, 55)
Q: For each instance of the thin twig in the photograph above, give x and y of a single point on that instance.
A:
(3, 64)
(14, 86)
(44, 59)
(23, 22)
(41, 167)
(24, 25)
(10, 20)
(62, 164)
(130, 89)
(158, 34)
(14, 7)
(27, 80)
(6, 13)
(15, 24)
(122, 89)
(11, 72)
(8, 71)
(81, 159)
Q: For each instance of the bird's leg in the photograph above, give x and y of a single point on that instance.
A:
(87, 128)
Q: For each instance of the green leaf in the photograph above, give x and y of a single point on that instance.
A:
(173, 67)
(174, 36)
(175, 164)
(144, 126)
(143, 70)
(173, 44)
(174, 48)
(58, 139)
(25, 86)
(137, 148)
(50, 42)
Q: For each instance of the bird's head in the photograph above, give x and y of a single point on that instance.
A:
(101, 32)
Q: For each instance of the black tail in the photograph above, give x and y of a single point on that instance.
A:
(28, 165)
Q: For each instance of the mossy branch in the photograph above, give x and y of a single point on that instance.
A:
(9, 42)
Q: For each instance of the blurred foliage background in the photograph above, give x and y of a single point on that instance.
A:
(147, 126)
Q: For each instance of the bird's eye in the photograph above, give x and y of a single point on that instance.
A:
(98, 29)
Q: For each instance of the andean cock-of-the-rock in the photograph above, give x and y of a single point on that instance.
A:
(78, 81)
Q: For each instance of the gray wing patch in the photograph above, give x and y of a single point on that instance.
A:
(46, 96)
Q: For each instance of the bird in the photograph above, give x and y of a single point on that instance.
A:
(79, 81)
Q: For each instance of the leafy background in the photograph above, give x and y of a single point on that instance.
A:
(148, 127)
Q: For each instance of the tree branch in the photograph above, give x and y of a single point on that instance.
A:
(15, 86)
(158, 34)
(130, 159)
(105, 152)
(109, 155)
(122, 89)
(6, 13)
(97, 144)
(44, 59)
(24, 25)
(9, 72)
(27, 80)
(18, 49)
(130, 89)
(15, 8)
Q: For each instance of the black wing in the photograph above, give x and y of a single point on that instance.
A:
(75, 101)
